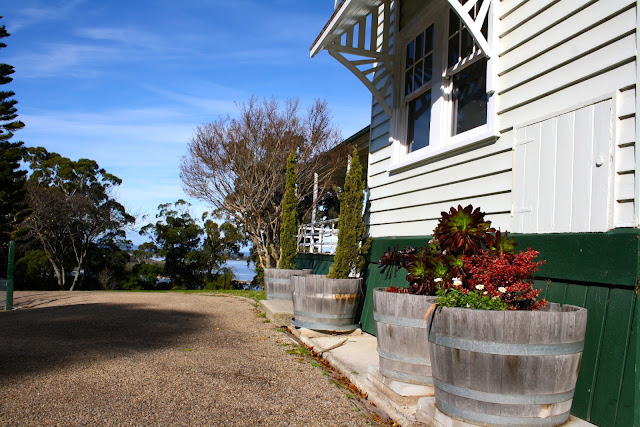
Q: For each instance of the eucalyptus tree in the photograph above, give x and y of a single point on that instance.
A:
(238, 165)
(221, 241)
(72, 206)
(176, 237)
(12, 178)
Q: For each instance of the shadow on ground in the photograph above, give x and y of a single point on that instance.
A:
(41, 339)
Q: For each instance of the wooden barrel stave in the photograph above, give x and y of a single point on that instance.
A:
(325, 304)
(507, 368)
(277, 282)
(403, 346)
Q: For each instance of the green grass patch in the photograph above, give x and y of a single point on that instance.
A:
(299, 351)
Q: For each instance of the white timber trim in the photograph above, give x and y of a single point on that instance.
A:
(373, 48)
(636, 195)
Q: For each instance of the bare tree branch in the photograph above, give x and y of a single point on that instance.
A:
(238, 165)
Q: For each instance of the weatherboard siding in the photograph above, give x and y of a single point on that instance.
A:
(566, 87)
(566, 76)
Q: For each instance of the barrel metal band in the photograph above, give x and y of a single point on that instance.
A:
(512, 399)
(406, 359)
(505, 348)
(400, 321)
(324, 326)
(271, 295)
(406, 377)
(306, 295)
(323, 316)
(497, 420)
(276, 280)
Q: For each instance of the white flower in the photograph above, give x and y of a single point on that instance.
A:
(437, 279)
(468, 306)
(485, 292)
(457, 282)
(479, 287)
(502, 289)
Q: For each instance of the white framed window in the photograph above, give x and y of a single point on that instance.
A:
(443, 100)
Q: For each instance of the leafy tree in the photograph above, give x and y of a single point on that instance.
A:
(221, 242)
(143, 276)
(12, 193)
(71, 208)
(289, 229)
(238, 165)
(176, 237)
(33, 271)
(223, 280)
(106, 266)
(351, 228)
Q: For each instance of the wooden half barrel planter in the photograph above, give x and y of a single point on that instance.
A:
(277, 282)
(325, 304)
(403, 336)
(507, 367)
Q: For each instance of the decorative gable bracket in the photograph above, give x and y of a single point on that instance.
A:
(359, 36)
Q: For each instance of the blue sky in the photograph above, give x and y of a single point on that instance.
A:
(126, 82)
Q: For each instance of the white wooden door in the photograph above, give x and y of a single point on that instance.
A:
(562, 172)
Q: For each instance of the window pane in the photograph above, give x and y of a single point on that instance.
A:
(428, 44)
(420, 46)
(453, 53)
(470, 97)
(410, 54)
(467, 43)
(454, 22)
(408, 82)
(417, 75)
(419, 122)
(485, 29)
(428, 68)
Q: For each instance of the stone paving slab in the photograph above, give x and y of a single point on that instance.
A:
(355, 356)
(278, 311)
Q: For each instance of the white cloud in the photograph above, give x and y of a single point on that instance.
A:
(38, 14)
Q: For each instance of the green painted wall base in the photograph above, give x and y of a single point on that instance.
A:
(598, 271)
(319, 263)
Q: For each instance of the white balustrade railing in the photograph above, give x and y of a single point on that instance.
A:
(318, 237)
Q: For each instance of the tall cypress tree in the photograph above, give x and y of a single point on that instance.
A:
(289, 227)
(12, 179)
(351, 228)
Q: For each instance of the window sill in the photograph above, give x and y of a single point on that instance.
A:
(467, 141)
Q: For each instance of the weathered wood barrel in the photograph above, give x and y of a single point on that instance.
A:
(325, 304)
(403, 337)
(277, 282)
(507, 367)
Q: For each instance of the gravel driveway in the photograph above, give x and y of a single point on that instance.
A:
(115, 358)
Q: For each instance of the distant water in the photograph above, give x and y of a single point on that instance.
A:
(241, 271)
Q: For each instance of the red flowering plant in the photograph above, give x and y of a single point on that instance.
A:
(496, 281)
(508, 277)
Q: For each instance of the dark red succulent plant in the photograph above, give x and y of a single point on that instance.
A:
(460, 232)
(463, 230)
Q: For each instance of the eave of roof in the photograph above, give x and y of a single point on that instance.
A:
(343, 17)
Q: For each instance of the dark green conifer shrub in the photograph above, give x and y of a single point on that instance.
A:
(289, 227)
(351, 228)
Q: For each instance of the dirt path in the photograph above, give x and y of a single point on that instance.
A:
(100, 358)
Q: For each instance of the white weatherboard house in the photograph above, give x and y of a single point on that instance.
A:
(526, 109)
